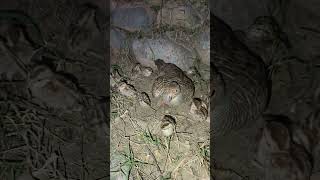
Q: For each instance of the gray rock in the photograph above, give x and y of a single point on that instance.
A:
(177, 13)
(117, 39)
(133, 18)
(148, 50)
(202, 46)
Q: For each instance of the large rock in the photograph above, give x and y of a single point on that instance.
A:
(133, 18)
(178, 13)
(148, 50)
(117, 39)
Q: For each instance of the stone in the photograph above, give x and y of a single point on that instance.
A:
(180, 14)
(147, 50)
(117, 39)
(133, 18)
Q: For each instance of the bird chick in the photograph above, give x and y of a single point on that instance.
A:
(54, 90)
(127, 90)
(167, 125)
(144, 100)
(198, 109)
(172, 87)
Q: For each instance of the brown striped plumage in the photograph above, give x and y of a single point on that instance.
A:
(172, 86)
(239, 79)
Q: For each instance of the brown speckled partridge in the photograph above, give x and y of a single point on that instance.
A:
(239, 82)
(172, 86)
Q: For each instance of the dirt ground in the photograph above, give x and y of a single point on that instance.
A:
(135, 132)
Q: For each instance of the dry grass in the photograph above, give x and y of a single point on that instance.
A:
(163, 158)
(36, 142)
